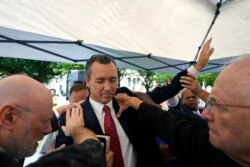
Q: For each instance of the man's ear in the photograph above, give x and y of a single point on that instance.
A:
(86, 78)
(8, 116)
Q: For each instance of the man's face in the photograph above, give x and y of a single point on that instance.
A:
(190, 100)
(228, 125)
(31, 128)
(79, 95)
(102, 82)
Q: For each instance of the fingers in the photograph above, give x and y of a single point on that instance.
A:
(77, 105)
(120, 112)
(68, 114)
(208, 42)
(191, 83)
(77, 116)
(204, 56)
(74, 118)
(109, 159)
(61, 147)
(187, 81)
(61, 110)
(65, 130)
(211, 51)
(207, 48)
(74, 112)
(122, 99)
(80, 102)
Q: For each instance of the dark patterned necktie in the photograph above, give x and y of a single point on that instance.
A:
(110, 129)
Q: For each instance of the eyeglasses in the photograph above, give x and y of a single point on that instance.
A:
(210, 103)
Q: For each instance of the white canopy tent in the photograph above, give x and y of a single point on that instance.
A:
(160, 35)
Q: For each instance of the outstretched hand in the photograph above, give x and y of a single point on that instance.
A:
(63, 109)
(191, 82)
(126, 101)
(204, 56)
(123, 101)
(74, 118)
(146, 98)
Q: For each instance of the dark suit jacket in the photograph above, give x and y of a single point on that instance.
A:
(54, 123)
(7, 160)
(143, 140)
(87, 154)
(189, 116)
(191, 141)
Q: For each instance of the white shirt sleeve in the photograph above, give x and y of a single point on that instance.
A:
(56, 114)
(193, 71)
(173, 102)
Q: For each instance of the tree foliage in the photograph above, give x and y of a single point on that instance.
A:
(122, 72)
(208, 78)
(148, 77)
(63, 68)
(162, 78)
(42, 71)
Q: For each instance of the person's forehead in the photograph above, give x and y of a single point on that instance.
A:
(226, 88)
(100, 69)
(231, 86)
(44, 100)
(111, 64)
(44, 111)
(79, 92)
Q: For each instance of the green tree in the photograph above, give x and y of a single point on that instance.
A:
(148, 78)
(162, 78)
(64, 68)
(122, 72)
(42, 71)
(208, 78)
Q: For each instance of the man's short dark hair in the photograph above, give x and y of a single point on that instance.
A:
(100, 58)
(76, 87)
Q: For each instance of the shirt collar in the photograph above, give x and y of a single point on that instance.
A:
(99, 106)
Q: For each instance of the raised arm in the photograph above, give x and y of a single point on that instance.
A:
(204, 56)
(161, 94)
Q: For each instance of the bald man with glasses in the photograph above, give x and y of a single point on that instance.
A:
(226, 141)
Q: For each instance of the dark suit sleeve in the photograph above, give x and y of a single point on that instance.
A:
(61, 138)
(189, 116)
(88, 154)
(174, 130)
(54, 123)
(7, 160)
(189, 140)
(161, 94)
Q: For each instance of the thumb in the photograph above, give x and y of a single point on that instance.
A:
(65, 130)
(120, 112)
(62, 146)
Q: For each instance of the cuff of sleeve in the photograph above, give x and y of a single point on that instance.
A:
(57, 114)
(193, 71)
(165, 107)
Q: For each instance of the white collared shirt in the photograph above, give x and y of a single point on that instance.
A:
(128, 152)
(197, 113)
